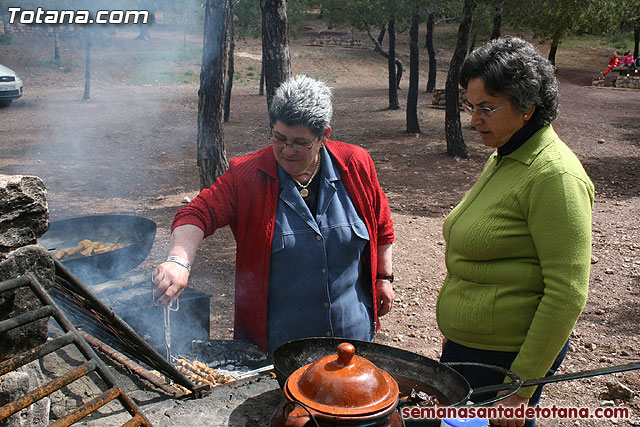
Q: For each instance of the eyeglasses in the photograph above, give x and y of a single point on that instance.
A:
(297, 146)
(482, 112)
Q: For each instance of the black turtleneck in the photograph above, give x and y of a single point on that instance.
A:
(519, 138)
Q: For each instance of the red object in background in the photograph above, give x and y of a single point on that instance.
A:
(613, 62)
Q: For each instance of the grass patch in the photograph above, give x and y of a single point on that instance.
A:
(65, 65)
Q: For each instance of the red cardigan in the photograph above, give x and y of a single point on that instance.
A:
(246, 197)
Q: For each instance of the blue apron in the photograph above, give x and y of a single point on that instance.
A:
(316, 281)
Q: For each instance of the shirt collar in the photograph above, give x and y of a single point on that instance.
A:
(327, 169)
(527, 153)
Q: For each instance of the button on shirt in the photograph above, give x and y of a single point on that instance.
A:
(316, 285)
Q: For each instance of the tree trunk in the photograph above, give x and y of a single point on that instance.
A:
(56, 42)
(391, 65)
(4, 17)
(552, 51)
(380, 37)
(212, 157)
(456, 146)
(184, 35)
(378, 48)
(87, 63)
(636, 38)
(497, 20)
(414, 68)
(275, 45)
(431, 83)
(145, 32)
(230, 68)
(261, 90)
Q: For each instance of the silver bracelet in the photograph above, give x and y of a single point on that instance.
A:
(180, 261)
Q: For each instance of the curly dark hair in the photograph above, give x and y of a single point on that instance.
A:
(513, 68)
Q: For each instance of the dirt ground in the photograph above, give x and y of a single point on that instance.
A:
(131, 149)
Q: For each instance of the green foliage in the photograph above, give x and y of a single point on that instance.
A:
(607, 16)
(551, 19)
(483, 18)
(248, 18)
(5, 39)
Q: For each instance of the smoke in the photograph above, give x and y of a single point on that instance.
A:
(107, 154)
(123, 150)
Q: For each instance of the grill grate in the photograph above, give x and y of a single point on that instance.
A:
(71, 336)
(77, 299)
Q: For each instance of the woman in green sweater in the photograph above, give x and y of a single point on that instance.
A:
(518, 247)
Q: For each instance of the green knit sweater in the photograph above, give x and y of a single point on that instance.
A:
(518, 255)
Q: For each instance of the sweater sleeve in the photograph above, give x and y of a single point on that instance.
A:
(559, 219)
(386, 233)
(213, 208)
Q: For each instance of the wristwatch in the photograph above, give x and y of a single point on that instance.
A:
(388, 277)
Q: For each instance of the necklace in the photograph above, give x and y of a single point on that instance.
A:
(303, 188)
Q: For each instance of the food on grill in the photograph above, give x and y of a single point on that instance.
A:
(87, 248)
(200, 373)
(174, 385)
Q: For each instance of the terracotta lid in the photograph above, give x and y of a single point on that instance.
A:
(343, 384)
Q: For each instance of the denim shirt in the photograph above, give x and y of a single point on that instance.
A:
(316, 285)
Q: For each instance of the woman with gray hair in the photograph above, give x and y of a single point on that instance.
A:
(312, 226)
(518, 246)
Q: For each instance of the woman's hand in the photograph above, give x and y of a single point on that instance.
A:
(169, 279)
(385, 296)
(513, 401)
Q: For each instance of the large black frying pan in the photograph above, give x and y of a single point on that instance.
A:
(440, 378)
(136, 233)
(402, 365)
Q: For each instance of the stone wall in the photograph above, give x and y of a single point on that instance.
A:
(438, 97)
(24, 217)
(631, 81)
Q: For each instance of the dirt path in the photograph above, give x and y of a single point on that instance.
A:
(131, 149)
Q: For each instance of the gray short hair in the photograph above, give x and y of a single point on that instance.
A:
(301, 100)
(514, 69)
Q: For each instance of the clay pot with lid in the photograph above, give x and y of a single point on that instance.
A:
(341, 389)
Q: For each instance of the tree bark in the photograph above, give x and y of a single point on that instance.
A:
(230, 68)
(145, 32)
(414, 68)
(431, 82)
(380, 37)
(497, 20)
(378, 48)
(275, 45)
(456, 146)
(212, 157)
(552, 51)
(391, 65)
(56, 42)
(4, 18)
(184, 35)
(261, 90)
(87, 63)
(636, 38)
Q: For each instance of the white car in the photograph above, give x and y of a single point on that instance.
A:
(10, 86)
